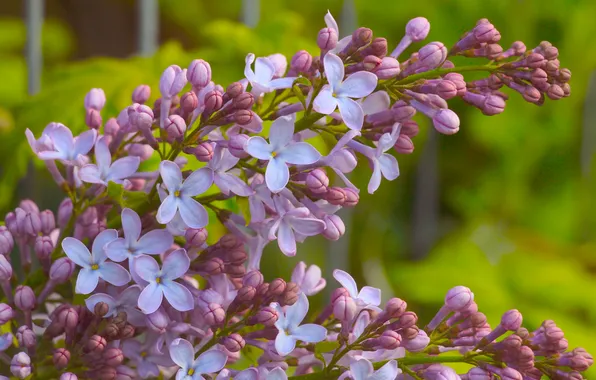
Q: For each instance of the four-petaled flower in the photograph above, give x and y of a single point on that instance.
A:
(180, 195)
(291, 222)
(290, 331)
(339, 93)
(105, 170)
(66, 147)
(93, 264)
(367, 298)
(362, 369)
(161, 282)
(218, 168)
(261, 78)
(308, 279)
(125, 301)
(280, 152)
(183, 354)
(145, 356)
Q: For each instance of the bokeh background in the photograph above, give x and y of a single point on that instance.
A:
(506, 206)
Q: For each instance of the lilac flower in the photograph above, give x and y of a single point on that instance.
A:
(219, 169)
(363, 370)
(133, 244)
(290, 331)
(384, 164)
(340, 92)
(161, 282)
(281, 151)
(332, 24)
(125, 301)
(261, 78)
(66, 147)
(183, 354)
(6, 341)
(259, 200)
(106, 170)
(309, 280)
(289, 221)
(367, 298)
(93, 264)
(180, 196)
(45, 141)
(144, 357)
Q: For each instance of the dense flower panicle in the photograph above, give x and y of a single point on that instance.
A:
(163, 295)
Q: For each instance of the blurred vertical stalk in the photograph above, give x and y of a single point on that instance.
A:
(250, 12)
(426, 199)
(589, 128)
(148, 11)
(34, 10)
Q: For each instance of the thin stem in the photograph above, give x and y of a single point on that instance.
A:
(440, 72)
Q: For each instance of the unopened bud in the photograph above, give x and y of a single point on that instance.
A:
(175, 126)
(243, 101)
(196, 237)
(459, 298)
(327, 39)
(112, 331)
(188, 102)
(5, 269)
(61, 358)
(172, 81)
(20, 365)
(237, 144)
(417, 29)
(113, 356)
(243, 117)
(335, 227)
(141, 94)
(101, 309)
(199, 73)
(43, 247)
(344, 308)
(69, 318)
(389, 68)
(6, 241)
(253, 278)
(24, 298)
(511, 320)
(335, 196)
(68, 376)
(234, 89)
(213, 102)
(276, 287)
(234, 342)
(361, 37)
(317, 181)
(6, 313)
(48, 223)
(267, 316)
(214, 314)
(352, 197)
(302, 61)
(26, 337)
(95, 99)
(127, 332)
(446, 122)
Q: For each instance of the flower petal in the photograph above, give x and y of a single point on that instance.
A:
(248, 374)
(325, 102)
(154, 242)
(90, 173)
(131, 224)
(210, 361)
(375, 178)
(351, 113)
(146, 267)
(299, 272)
(129, 296)
(370, 295)
(358, 85)
(62, 139)
(361, 369)
(257, 147)
(376, 102)
(178, 295)
(280, 83)
(117, 250)
(98, 252)
(389, 166)
(311, 278)
(330, 22)
(300, 153)
(151, 298)
(276, 373)
(197, 183)
(175, 264)
(230, 183)
(264, 70)
(101, 297)
(193, 213)
(296, 313)
(123, 168)
(286, 239)
(103, 157)
(310, 333)
(334, 70)
(284, 344)
(347, 281)
(49, 155)
(360, 325)
(167, 209)
(114, 274)
(182, 353)
(277, 175)
(86, 281)
(248, 73)
(387, 372)
(307, 226)
(77, 252)
(171, 175)
(84, 142)
(281, 132)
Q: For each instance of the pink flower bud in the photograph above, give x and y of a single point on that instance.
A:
(237, 144)
(555, 92)
(69, 318)
(243, 101)
(6, 313)
(344, 308)
(93, 118)
(389, 340)
(199, 73)
(111, 127)
(417, 29)
(68, 376)
(327, 39)
(402, 111)
(61, 270)
(361, 37)
(276, 287)
(404, 145)
(214, 314)
(143, 151)
(479, 374)
(458, 298)
(302, 60)
(95, 344)
(446, 89)
(188, 102)
(61, 358)
(234, 342)
(6, 241)
(113, 357)
(377, 48)
(5, 269)
(389, 68)
(335, 196)
(157, 321)
(234, 89)
(446, 122)
(106, 373)
(335, 227)
(395, 307)
(140, 116)
(24, 298)
(64, 212)
(253, 278)
(317, 181)
(486, 32)
(352, 197)
(431, 56)
(243, 117)
(26, 337)
(95, 99)
(246, 294)
(20, 365)
(493, 105)
(267, 316)
(48, 223)
(28, 222)
(43, 247)
(29, 206)
(203, 152)
(213, 102)
(196, 237)
(141, 94)
(175, 126)
(417, 344)
(172, 81)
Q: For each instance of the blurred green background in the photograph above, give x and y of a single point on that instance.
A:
(505, 206)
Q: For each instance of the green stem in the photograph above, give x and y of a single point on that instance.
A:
(440, 72)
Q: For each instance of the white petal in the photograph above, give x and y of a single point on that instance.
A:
(351, 113)
(114, 274)
(210, 361)
(277, 175)
(177, 295)
(299, 153)
(375, 178)
(389, 166)
(167, 209)
(182, 353)
(86, 281)
(131, 224)
(307, 226)
(310, 333)
(77, 252)
(284, 344)
(257, 147)
(370, 295)
(175, 264)
(264, 70)
(286, 239)
(84, 142)
(281, 132)
(197, 183)
(358, 85)
(146, 267)
(387, 372)
(103, 157)
(325, 102)
(171, 175)
(151, 298)
(154, 242)
(361, 369)
(248, 73)
(296, 313)
(229, 182)
(90, 173)
(280, 83)
(334, 70)
(330, 22)
(276, 373)
(347, 281)
(376, 102)
(123, 168)
(193, 213)
(98, 252)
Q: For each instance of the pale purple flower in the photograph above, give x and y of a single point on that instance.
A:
(180, 196)
(309, 279)
(219, 170)
(45, 141)
(255, 236)
(93, 264)
(183, 354)
(384, 164)
(276, 373)
(367, 298)
(362, 369)
(332, 24)
(161, 282)
(145, 357)
(125, 301)
(5, 341)
(281, 151)
(290, 330)
(290, 221)
(260, 200)
(133, 244)
(20, 365)
(105, 170)
(66, 147)
(261, 78)
(339, 93)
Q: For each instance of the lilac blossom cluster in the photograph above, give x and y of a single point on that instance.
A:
(155, 295)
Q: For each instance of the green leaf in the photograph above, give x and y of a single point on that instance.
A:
(326, 346)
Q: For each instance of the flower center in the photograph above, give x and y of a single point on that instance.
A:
(94, 266)
(191, 372)
(143, 354)
(158, 280)
(177, 193)
(273, 154)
